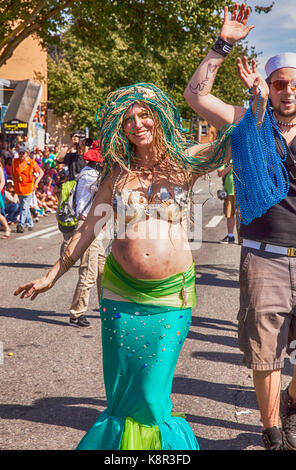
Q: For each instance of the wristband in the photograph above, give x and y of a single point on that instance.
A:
(222, 47)
(67, 261)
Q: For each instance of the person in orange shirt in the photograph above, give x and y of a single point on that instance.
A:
(26, 175)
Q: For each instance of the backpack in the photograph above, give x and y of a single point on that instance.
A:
(65, 214)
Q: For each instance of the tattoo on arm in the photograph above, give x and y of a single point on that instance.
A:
(200, 86)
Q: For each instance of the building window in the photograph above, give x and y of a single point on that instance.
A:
(204, 129)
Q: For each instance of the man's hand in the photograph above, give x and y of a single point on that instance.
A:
(224, 171)
(236, 28)
(251, 78)
(255, 83)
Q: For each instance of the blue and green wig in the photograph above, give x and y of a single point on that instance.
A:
(170, 135)
(115, 146)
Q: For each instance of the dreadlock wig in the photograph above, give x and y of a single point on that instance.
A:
(170, 135)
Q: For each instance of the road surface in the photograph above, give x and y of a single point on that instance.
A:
(52, 387)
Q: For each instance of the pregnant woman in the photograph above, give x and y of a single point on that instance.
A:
(148, 284)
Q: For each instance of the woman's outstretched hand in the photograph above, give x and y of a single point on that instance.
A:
(33, 288)
(236, 28)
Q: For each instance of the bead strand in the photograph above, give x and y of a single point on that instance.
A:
(287, 124)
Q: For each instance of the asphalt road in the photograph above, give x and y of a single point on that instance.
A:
(52, 387)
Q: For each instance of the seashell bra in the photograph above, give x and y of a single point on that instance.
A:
(171, 204)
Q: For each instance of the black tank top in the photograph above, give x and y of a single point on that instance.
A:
(278, 225)
(75, 163)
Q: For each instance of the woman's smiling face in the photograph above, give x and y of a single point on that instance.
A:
(138, 125)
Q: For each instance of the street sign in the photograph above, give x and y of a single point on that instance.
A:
(16, 127)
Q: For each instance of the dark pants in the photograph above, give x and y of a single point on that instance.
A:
(12, 211)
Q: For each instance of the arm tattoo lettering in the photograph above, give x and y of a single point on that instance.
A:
(200, 86)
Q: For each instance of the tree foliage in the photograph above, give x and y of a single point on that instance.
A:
(143, 21)
(20, 19)
(98, 45)
(139, 49)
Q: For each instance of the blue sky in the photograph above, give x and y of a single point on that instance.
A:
(274, 32)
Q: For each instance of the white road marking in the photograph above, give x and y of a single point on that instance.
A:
(215, 221)
(37, 234)
(50, 234)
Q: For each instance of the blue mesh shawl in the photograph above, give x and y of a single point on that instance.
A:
(260, 176)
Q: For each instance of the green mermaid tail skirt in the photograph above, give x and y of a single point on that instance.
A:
(141, 346)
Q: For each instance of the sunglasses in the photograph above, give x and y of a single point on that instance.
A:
(280, 85)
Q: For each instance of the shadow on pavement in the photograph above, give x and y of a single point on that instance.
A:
(208, 274)
(37, 315)
(26, 265)
(215, 339)
(213, 323)
(231, 394)
(241, 442)
(74, 413)
(59, 411)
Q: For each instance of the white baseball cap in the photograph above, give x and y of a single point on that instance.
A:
(285, 59)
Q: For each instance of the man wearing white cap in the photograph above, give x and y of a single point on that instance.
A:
(267, 315)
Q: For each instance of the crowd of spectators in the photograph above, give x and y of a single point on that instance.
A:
(45, 197)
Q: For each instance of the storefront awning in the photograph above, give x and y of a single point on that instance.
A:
(22, 106)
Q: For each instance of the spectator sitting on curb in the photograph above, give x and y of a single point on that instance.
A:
(12, 204)
(60, 177)
(51, 197)
(3, 220)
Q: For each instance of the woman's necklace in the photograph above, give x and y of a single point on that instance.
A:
(145, 170)
(149, 191)
(150, 169)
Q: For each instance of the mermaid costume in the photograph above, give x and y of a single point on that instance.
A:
(142, 336)
(144, 323)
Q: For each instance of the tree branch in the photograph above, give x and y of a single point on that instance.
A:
(24, 23)
(8, 7)
(10, 47)
(27, 27)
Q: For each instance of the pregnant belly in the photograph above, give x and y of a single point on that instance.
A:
(151, 255)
